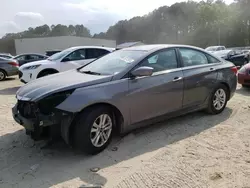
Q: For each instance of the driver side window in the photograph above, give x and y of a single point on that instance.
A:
(76, 55)
(21, 58)
(161, 61)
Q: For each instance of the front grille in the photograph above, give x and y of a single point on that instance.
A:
(20, 74)
(26, 109)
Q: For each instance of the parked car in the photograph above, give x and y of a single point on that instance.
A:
(6, 56)
(212, 49)
(70, 58)
(247, 56)
(244, 75)
(123, 90)
(237, 57)
(27, 58)
(8, 67)
(52, 52)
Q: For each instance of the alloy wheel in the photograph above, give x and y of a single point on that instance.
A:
(101, 130)
(1, 75)
(219, 99)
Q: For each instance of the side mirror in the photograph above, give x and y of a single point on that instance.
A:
(142, 71)
(65, 59)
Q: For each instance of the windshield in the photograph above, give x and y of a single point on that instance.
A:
(113, 63)
(59, 55)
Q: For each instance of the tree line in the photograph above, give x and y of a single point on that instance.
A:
(195, 23)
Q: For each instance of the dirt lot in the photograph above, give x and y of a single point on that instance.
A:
(197, 150)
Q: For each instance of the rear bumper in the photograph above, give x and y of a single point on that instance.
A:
(244, 79)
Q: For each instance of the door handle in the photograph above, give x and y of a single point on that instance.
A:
(177, 79)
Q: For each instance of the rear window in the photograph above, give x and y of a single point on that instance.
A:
(212, 59)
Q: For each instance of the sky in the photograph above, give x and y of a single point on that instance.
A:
(97, 15)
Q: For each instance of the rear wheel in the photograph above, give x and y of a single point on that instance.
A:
(218, 100)
(2, 75)
(93, 130)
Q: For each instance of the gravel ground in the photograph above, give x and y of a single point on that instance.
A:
(196, 150)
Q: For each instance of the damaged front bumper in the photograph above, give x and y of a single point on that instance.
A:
(36, 123)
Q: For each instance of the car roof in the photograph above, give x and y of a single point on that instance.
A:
(215, 46)
(30, 54)
(153, 47)
(97, 47)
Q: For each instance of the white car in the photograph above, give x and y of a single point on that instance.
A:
(67, 59)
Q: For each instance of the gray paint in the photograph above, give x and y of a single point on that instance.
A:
(129, 44)
(41, 45)
(174, 92)
(9, 69)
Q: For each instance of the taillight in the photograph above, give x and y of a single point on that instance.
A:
(15, 64)
(235, 70)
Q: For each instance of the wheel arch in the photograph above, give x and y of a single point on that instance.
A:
(4, 71)
(228, 89)
(47, 69)
(117, 115)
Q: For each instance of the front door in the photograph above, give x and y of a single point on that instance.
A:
(160, 93)
(74, 60)
(200, 75)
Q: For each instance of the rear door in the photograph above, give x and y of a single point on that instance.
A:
(160, 93)
(200, 75)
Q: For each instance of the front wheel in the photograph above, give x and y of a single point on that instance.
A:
(93, 130)
(218, 100)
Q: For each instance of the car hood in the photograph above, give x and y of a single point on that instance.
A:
(35, 63)
(43, 87)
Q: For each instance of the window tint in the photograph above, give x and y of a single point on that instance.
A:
(96, 53)
(77, 55)
(211, 59)
(21, 58)
(5, 56)
(192, 57)
(163, 60)
(41, 57)
(33, 57)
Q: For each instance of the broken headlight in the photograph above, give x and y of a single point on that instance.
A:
(47, 105)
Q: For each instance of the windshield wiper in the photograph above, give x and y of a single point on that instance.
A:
(91, 72)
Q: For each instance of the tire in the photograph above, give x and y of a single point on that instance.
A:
(45, 73)
(219, 106)
(2, 75)
(85, 124)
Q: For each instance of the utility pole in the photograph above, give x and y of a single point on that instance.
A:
(219, 37)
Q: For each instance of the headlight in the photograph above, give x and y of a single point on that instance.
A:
(47, 105)
(32, 67)
(243, 70)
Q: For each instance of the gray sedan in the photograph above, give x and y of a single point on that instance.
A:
(124, 90)
(8, 67)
